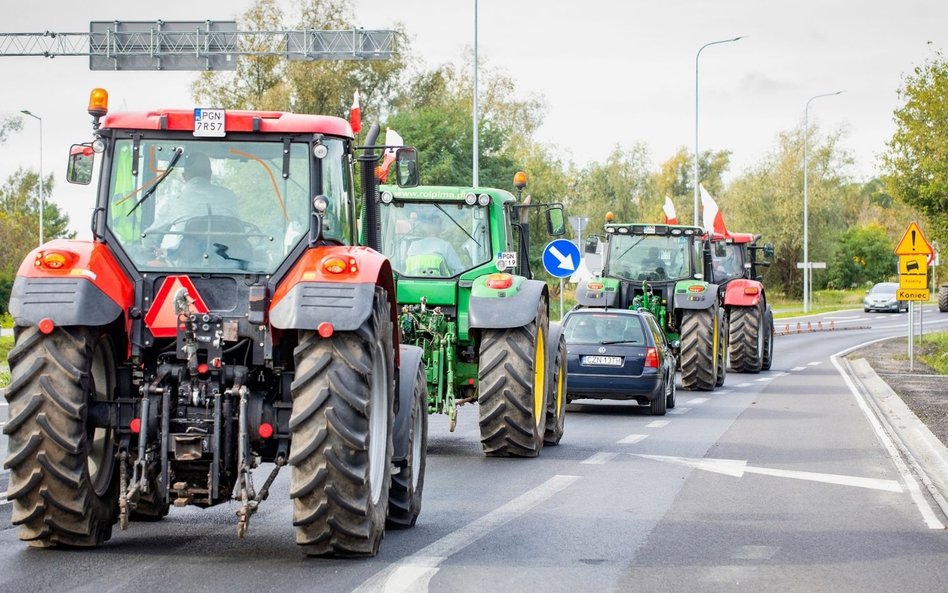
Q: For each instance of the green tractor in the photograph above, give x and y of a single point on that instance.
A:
(468, 298)
(663, 268)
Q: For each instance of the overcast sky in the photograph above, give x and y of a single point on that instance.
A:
(611, 71)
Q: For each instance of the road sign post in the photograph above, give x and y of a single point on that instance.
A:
(915, 254)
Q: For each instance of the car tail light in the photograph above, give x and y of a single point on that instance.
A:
(651, 358)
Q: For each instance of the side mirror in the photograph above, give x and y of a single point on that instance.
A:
(79, 169)
(555, 221)
(592, 244)
(406, 167)
(769, 250)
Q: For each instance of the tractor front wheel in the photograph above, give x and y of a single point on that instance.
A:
(404, 496)
(341, 436)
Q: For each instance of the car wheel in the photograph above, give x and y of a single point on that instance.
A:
(670, 398)
(658, 404)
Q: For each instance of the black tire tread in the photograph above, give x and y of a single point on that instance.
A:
(404, 499)
(943, 298)
(556, 419)
(745, 328)
(54, 501)
(697, 350)
(329, 449)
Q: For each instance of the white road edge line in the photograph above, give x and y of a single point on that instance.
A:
(413, 573)
(928, 515)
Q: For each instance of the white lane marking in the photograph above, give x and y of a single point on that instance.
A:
(737, 468)
(723, 391)
(3, 404)
(600, 458)
(743, 384)
(764, 379)
(679, 410)
(755, 552)
(780, 374)
(928, 515)
(696, 401)
(658, 424)
(843, 317)
(798, 369)
(413, 573)
(815, 363)
(632, 439)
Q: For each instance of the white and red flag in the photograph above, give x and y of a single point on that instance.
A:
(355, 113)
(671, 217)
(393, 141)
(711, 214)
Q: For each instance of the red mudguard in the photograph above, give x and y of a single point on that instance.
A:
(743, 293)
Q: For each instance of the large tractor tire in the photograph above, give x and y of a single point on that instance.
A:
(341, 436)
(512, 385)
(768, 356)
(747, 333)
(722, 345)
(943, 298)
(556, 397)
(698, 357)
(404, 496)
(63, 480)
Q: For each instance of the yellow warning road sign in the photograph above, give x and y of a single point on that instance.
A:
(913, 242)
(911, 295)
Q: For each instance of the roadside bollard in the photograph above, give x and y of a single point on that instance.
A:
(832, 324)
(798, 327)
(819, 325)
(809, 326)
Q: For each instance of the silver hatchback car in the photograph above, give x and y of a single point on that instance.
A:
(881, 297)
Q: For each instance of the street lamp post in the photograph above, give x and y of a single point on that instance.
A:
(806, 201)
(475, 165)
(698, 55)
(41, 195)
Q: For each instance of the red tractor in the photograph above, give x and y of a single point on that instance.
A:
(221, 317)
(735, 259)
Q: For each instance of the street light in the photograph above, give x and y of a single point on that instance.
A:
(806, 202)
(698, 55)
(42, 197)
(475, 165)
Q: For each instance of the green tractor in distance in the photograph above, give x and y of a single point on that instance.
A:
(663, 268)
(468, 298)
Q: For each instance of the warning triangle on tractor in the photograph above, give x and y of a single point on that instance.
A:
(913, 242)
(161, 318)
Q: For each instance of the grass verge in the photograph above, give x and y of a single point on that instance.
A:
(6, 343)
(935, 351)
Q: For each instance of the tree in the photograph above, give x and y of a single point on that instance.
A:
(323, 86)
(675, 179)
(864, 257)
(622, 185)
(9, 125)
(768, 199)
(916, 163)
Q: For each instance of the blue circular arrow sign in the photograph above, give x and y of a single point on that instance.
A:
(561, 258)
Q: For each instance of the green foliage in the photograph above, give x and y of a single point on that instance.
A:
(916, 164)
(768, 199)
(935, 352)
(622, 185)
(675, 179)
(9, 125)
(864, 256)
(6, 286)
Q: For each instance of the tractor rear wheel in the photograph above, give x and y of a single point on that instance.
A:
(341, 436)
(723, 340)
(512, 385)
(63, 482)
(556, 397)
(747, 333)
(943, 298)
(404, 496)
(698, 358)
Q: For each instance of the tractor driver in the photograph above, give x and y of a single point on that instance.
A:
(198, 198)
(431, 244)
(653, 264)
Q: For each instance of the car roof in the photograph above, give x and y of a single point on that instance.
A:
(602, 311)
(885, 284)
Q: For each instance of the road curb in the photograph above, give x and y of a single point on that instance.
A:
(925, 454)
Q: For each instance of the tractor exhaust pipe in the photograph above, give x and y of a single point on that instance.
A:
(370, 190)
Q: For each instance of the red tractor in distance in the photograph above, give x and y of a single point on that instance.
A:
(735, 259)
(221, 317)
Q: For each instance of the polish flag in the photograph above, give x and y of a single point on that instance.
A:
(355, 114)
(669, 209)
(711, 215)
(393, 141)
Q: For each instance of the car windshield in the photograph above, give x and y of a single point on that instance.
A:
(649, 257)
(435, 239)
(599, 328)
(884, 288)
(218, 205)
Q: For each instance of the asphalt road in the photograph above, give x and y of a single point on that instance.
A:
(777, 482)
